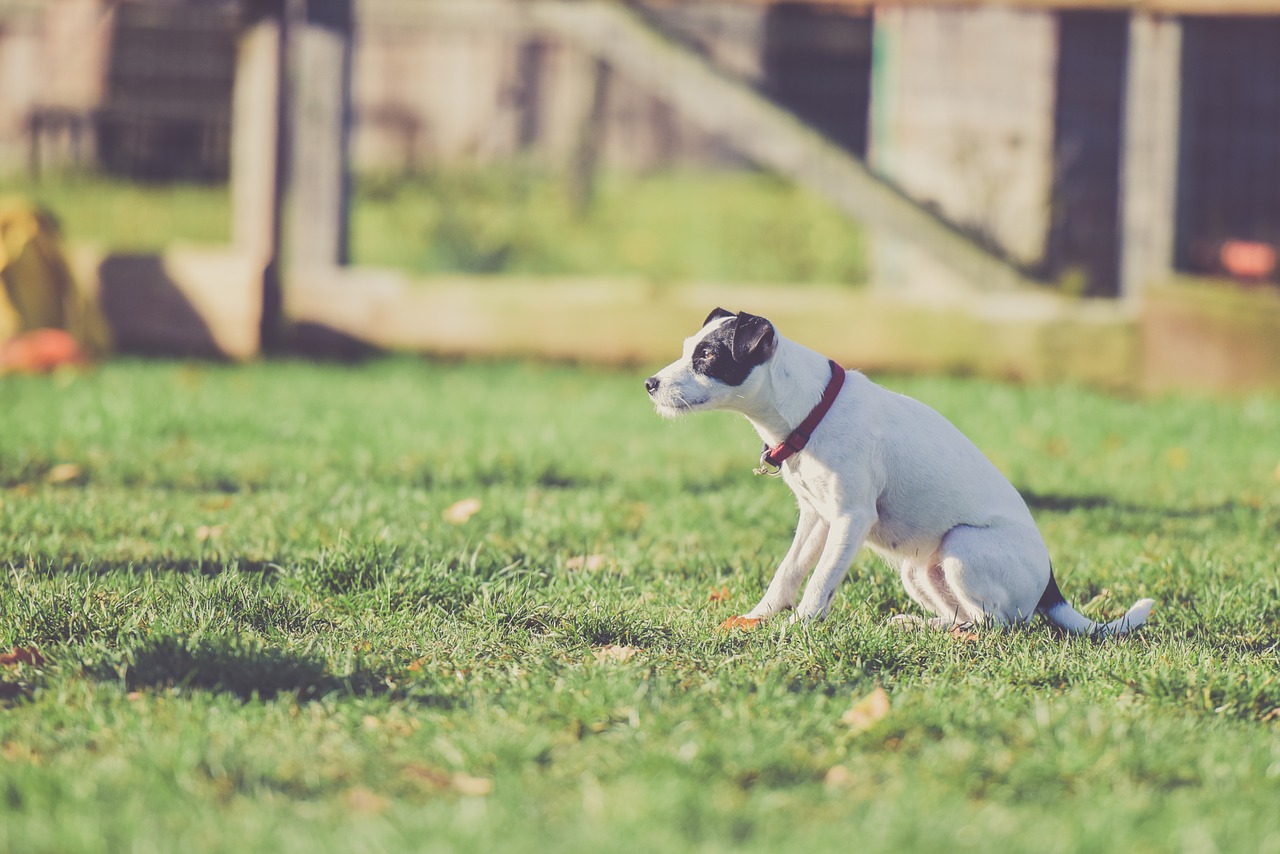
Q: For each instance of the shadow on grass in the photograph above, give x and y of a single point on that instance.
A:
(1053, 502)
(51, 566)
(245, 669)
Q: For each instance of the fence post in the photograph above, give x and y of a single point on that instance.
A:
(1149, 171)
(320, 34)
(257, 152)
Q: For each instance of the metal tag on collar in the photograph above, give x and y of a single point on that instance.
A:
(765, 466)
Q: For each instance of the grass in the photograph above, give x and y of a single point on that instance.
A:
(731, 226)
(260, 632)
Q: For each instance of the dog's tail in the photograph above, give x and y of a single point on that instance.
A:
(1061, 614)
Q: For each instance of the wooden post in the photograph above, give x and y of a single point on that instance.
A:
(1148, 196)
(257, 152)
(320, 112)
(590, 143)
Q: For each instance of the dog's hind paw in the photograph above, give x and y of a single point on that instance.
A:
(907, 623)
(744, 623)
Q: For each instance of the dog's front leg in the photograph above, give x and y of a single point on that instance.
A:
(811, 533)
(843, 541)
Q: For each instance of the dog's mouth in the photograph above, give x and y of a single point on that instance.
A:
(676, 408)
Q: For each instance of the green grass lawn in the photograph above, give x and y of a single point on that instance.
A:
(726, 226)
(261, 633)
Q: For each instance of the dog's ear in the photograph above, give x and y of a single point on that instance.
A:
(753, 339)
(716, 315)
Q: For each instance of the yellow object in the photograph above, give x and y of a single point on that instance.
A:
(37, 290)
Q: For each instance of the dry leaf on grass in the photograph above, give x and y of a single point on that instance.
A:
(613, 652)
(460, 511)
(865, 713)
(837, 778)
(21, 655)
(964, 635)
(475, 787)
(720, 595)
(463, 784)
(209, 532)
(591, 563)
(63, 473)
(362, 800)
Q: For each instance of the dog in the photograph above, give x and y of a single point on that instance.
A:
(871, 466)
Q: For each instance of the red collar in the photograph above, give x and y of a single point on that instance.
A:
(800, 436)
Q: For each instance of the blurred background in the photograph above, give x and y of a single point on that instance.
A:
(1085, 191)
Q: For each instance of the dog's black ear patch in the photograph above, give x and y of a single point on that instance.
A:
(716, 314)
(753, 339)
(730, 352)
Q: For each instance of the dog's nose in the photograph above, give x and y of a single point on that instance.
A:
(651, 384)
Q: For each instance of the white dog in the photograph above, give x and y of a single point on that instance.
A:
(868, 465)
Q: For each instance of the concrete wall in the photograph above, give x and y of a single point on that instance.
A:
(433, 83)
(962, 117)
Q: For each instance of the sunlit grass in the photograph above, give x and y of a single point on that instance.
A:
(717, 226)
(260, 632)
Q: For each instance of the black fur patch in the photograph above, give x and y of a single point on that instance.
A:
(716, 314)
(729, 353)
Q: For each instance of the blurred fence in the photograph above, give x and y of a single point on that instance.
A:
(1096, 148)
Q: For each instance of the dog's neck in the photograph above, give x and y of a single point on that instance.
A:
(787, 394)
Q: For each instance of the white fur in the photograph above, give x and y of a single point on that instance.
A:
(888, 471)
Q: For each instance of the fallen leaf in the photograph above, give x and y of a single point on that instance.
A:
(460, 511)
(475, 787)
(614, 652)
(739, 622)
(865, 713)
(209, 532)
(720, 595)
(21, 655)
(63, 473)
(837, 778)
(133, 696)
(15, 753)
(587, 562)
(433, 777)
(963, 634)
(463, 784)
(362, 800)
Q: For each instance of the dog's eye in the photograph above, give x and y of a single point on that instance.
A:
(706, 353)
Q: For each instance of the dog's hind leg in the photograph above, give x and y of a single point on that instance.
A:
(996, 573)
(926, 583)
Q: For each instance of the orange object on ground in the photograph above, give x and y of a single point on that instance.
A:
(40, 351)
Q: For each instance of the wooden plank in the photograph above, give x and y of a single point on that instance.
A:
(765, 133)
(1167, 7)
(1033, 336)
(481, 13)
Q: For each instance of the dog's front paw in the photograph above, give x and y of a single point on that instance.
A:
(744, 623)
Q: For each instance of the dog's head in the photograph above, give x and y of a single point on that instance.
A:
(717, 366)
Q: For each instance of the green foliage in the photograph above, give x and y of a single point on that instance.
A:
(730, 226)
(260, 632)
